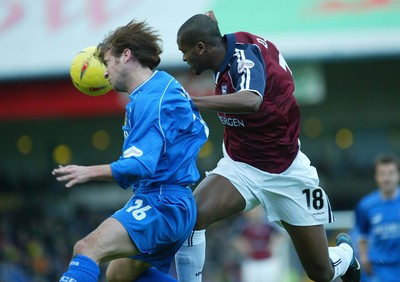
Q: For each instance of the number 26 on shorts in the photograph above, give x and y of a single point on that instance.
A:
(138, 212)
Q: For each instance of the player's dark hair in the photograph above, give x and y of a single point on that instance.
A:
(142, 40)
(387, 159)
(199, 28)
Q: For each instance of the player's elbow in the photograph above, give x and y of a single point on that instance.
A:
(256, 106)
(252, 102)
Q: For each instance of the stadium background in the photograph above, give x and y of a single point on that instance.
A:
(344, 55)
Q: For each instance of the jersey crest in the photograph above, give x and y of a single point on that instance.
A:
(244, 64)
(224, 88)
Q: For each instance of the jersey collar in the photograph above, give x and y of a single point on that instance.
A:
(230, 49)
(139, 87)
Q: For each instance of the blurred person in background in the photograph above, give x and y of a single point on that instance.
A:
(262, 162)
(260, 243)
(163, 135)
(378, 223)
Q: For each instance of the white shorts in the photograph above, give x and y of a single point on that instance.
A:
(292, 196)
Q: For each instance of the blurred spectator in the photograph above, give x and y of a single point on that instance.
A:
(259, 245)
(378, 223)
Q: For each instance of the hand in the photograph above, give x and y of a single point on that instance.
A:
(211, 15)
(73, 174)
(366, 265)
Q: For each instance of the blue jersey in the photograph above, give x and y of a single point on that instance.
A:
(163, 134)
(378, 221)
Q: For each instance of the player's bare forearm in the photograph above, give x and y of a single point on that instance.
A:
(74, 174)
(363, 250)
(241, 102)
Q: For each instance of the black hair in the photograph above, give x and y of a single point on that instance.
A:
(199, 28)
(387, 158)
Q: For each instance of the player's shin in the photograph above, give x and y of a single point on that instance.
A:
(190, 258)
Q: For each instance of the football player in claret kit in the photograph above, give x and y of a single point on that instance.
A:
(163, 135)
(262, 162)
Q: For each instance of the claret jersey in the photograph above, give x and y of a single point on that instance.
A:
(267, 139)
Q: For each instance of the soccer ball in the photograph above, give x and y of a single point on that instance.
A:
(87, 73)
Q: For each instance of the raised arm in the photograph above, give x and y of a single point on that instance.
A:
(240, 102)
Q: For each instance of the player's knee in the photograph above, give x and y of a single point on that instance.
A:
(117, 271)
(202, 220)
(82, 247)
(200, 225)
(114, 276)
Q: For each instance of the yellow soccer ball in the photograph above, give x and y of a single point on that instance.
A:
(87, 73)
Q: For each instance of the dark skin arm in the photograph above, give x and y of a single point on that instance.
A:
(239, 102)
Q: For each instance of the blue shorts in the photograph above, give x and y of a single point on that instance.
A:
(159, 220)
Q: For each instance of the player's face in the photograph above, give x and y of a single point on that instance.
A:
(194, 57)
(114, 72)
(387, 177)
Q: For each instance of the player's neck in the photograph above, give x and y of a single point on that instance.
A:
(220, 51)
(391, 194)
(140, 77)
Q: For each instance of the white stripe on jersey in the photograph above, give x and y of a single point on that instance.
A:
(245, 83)
(159, 114)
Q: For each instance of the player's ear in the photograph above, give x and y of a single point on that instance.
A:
(200, 48)
(126, 55)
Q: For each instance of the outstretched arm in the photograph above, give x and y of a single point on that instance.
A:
(240, 102)
(74, 174)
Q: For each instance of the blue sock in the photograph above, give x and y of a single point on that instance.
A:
(81, 269)
(152, 275)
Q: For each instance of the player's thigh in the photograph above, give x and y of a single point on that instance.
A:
(125, 269)
(108, 241)
(216, 199)
(311, 245)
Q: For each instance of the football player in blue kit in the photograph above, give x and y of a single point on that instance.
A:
(262, 162)
(378, 223)
(163, 134)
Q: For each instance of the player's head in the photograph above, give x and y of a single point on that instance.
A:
(387, 174)
(198, 38)
(135, 41)
(142, 40)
